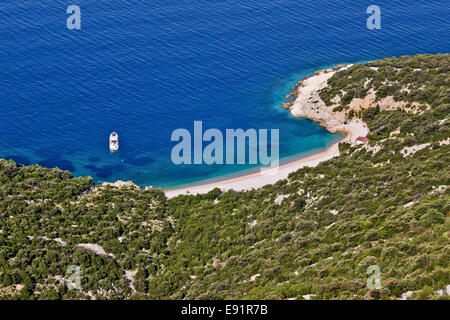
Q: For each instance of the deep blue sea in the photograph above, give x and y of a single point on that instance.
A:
(144, 68)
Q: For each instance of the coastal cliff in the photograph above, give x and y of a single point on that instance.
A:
(309, 104)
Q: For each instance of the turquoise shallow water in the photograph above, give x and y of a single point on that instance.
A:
(144, 69)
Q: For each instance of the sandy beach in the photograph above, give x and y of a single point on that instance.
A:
(258, 179)
(307, 104)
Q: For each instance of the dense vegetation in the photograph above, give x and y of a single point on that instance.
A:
(311, 235)
(422, 79)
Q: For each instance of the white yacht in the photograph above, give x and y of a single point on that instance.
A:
(113, 142)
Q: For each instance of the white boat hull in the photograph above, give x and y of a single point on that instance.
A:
(113, 142)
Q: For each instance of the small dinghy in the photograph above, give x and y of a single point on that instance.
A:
(113, 142)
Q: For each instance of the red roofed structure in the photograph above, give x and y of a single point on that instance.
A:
(362, 140)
